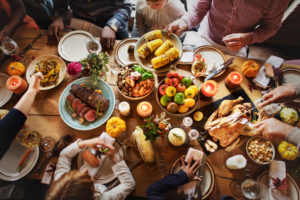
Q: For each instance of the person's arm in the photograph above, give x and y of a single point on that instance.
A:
(271, 21)
(139, 21)
(127, 183)
(194, 17)
(171, 181)
(18, 14)
(293, 137)
(60, 11)
(297, 89)
(65, 159)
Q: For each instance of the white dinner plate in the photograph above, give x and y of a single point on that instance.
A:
(9, 162)
(73, 46)
(5, 94)
(105, 173)
(121, 52)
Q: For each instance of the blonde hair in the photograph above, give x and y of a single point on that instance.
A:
(72, 185)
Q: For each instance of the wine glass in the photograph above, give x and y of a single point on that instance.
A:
(9, 46)
(187, 122)
(193, 134)
(47, 143)
(235, 187)
(251, 189)
(29, 138)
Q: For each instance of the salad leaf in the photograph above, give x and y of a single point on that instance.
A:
(147, 75)
(138, 69)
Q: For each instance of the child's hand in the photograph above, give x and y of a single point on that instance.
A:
(34, 83)
(190, 170)
(91, 143)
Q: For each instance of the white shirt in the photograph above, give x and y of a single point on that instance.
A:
(148, 19)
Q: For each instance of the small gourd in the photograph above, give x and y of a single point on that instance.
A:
(287, 151)
(250, 68)
(115, 126)
(15, 68)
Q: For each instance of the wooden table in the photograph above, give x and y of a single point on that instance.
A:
(44, 117)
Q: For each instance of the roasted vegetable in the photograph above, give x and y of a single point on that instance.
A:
(166, 58)
(156, 34)
(163, 48)
(288, 115)
(50, 70)
(143, 51)
(287, 151)
(153, 45)
(144, 146)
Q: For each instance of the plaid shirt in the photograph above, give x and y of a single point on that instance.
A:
(262, 17)
(113, 13)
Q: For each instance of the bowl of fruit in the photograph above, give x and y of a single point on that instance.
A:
(134, 82)
(177, 95)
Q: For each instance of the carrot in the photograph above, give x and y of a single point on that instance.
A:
(90, 158)
(24, 157)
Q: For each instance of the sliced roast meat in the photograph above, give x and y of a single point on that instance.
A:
(70, 98)
(76, 102)
(90, 97)
(81, 107)
(90, 116)
(84, 110)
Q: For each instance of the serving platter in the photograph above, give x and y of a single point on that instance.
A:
(212, 56)
(146, 63)
(62, 72)
(293, 191)
(9, 162)
(5, 94)
(105, 173)
(73, 46)
(121, 55)
(208, 181)
(73, 122)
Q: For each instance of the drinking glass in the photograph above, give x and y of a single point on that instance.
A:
(92, 45)
(187, 122)
(9, 46)
(114, 68)
(251, 189)
(29, 138)
(193, 134)
(47, 143)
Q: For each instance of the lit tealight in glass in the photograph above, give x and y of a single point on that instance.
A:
(124, 108)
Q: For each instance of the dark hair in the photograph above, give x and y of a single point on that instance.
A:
(70, 186)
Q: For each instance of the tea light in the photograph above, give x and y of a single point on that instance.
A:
(144, 109)
(209, 88)
(16, 84)
(233, 80)
(124, 108)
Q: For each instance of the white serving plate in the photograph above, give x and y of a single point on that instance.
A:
(5, 94)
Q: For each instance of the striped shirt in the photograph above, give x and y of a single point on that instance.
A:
(262, 17)
(114, 13)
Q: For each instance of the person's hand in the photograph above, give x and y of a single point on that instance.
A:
(34, 82)
(236, 41)
(56, 28)
(279, 95)
(108, 37)
(93, 143)
(110, 153)
(177, 27)
(4, 33)
(273, 129)
(191, 170)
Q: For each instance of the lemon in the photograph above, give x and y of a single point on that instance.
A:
(183, 109)
(198, 116)
(189, 102)
(195, 88)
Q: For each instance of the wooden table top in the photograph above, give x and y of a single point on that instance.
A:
(44, 117)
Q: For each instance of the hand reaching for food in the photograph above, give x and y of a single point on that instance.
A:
(190, 169)
(236, 41)
(34, 83)
(279, 95)
(177, 27)
(273, 129)
(108, 38)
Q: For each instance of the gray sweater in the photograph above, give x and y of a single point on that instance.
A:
(294, 135)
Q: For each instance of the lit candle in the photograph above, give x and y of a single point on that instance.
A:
(144, 109)
(209, 88)
(233, 80)
(124, 108)
(16, 84)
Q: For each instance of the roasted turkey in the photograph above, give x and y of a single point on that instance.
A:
(229, 121)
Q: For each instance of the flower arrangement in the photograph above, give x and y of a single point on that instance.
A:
(94, 65)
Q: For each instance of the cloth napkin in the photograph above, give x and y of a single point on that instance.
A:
(261, 79)
(277, 170)
(92, 171)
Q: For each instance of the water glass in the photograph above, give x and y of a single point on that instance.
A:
(251, 189)
(9, 46)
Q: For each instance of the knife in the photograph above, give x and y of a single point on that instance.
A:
(31, 43)
(198, 192)
(221, 68)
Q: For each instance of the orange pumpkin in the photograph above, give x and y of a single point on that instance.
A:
(250, 68)
(15, 68)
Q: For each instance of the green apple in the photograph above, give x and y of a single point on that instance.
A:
(164, 100)
(186, 81)
(179, 97)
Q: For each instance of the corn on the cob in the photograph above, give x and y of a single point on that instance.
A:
(163, 48)
(152, 35)
(165, 59)
(143, 51)
(144, 146)
(154, 44)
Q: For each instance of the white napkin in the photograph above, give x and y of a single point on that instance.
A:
(261, 79)
(92, 171)
(277, 170)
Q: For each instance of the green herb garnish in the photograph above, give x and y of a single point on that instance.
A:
(103, 150)
(69, 106)
(178, 136)
(147, 75)
(98, 108)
